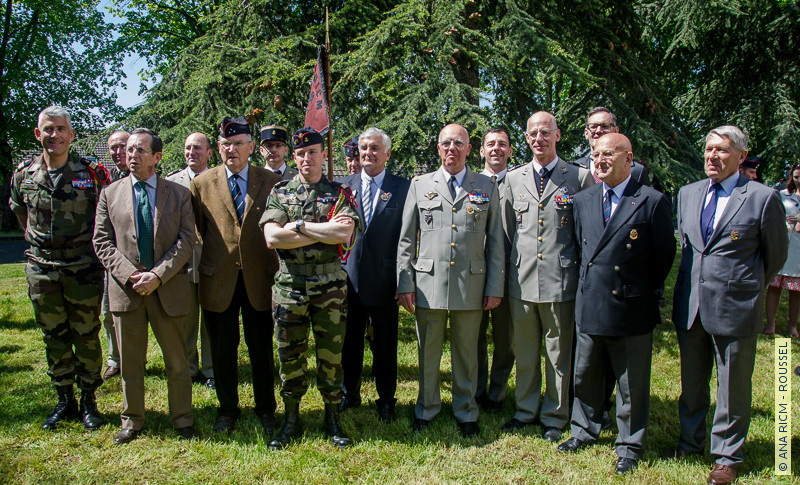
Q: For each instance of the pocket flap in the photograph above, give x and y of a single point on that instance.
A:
(430, 205)
(743, 285)
(424, 265)
(477, 267)
(520, 205)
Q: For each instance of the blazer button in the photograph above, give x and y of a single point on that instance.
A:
(541, 222)
(454, 209)
(616, 268)
(589, 265)
(614, 292)
(540, 206)
(628, 246)
(453, 226)
(452, 245)
(539, 255)
(539, 238)
(452, 263)
(236, 263)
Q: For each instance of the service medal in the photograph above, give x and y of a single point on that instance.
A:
(734, 235)
(470, 210)
(564, 190)
(385, 196)
(634, 234)
(519, 217)
(428, 218)
(430, 195)
(291, 212)
(564, 220)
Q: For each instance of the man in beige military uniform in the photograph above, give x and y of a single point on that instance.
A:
(274, 147)
(458, 273)
(543, 275)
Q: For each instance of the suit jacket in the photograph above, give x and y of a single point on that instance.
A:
(461, 254)
(624, 262)
(723, 281)
(544, 254)
(289, 173)
(182, 178)
(228, 246)
(638, 172)
(173, 240)
(373, 259)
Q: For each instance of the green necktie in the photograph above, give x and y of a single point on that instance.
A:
(144, 220)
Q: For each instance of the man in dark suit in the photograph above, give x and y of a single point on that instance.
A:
(372, 286)
(627, 246)
(274, 147)
(144, 236)
(601, 121)
(236, 272)
(733, 241)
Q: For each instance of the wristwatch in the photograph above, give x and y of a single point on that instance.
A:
(298, 225)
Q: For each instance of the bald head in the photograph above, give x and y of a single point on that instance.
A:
(453, 148)
(613, 156)
(542, 136)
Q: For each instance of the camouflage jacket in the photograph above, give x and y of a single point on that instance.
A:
(60, 219)
(291, 200)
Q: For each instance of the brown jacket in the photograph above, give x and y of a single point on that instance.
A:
(174, 239)
(229, 247)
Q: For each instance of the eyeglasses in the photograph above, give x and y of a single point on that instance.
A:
(543, 133)
(457, 143)
(602, 126)
(237, 144)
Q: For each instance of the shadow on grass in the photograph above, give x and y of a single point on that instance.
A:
(9, 349)
(8, 324)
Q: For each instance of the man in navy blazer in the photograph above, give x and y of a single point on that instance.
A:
(733, 242)
(371, 282)
(627, 245)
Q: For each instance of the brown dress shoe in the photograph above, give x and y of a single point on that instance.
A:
(110, 372)
(125, 436)
(721, 475)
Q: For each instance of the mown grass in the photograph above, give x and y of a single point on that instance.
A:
(382, 454)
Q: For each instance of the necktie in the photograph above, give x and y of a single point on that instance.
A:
(707, 217)
(366, 201)
(145, 223)
(238, 198)
(543, 176)
(451, 184)
(607, 207)
(278, 172)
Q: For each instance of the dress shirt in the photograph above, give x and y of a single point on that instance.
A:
(550, 166)
(377, 183)
(616, 193)
(459, 177)
(722, 196)
(498, 177)
(242, 182)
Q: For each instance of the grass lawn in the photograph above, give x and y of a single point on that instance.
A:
(383, 453)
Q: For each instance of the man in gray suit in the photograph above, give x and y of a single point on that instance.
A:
(196, 151)
(495, 150)
(274, 148)
(456, 213)
(733, 241)
(543, 275)
(601, 121)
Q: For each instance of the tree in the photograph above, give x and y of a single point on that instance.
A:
(41, 64)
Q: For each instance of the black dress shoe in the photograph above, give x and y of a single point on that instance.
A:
(678, 453)
(419, 424)
(490, 405)
(125, 436)
(605, 421)
(188, 433)
(625, 465)
(349, 402)
(572, 444)
(469, 429)
(211, 383)
(224, 424)
(386, 413)
(514, 424)
(268, 422)
(552, 434)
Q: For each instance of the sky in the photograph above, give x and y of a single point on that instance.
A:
(128, 96)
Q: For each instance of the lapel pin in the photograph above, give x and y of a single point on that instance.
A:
(430, 195)
(385, 196)
(634, 234)
(734, 235)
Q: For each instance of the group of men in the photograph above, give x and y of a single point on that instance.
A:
(569, 255)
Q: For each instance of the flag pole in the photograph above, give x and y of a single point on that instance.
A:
(328, 93)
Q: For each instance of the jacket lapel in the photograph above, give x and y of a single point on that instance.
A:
(161, 201)
(385, 192)
(225, 192)
(254, 181)
(441, 186)
(529, 181)
(556, 179)
(629, 203)
(735, 201)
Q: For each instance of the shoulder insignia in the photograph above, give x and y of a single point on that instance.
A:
(99, 171)
(24, 163)
(511, 169)
(416, 177)
(282, 183)
(174, 172)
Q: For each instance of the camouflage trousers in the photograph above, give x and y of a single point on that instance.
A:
(66, 305)
(316, 303)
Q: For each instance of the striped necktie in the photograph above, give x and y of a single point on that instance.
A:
(238, 198)
(366, 201)
(145, 222)
(607, 207)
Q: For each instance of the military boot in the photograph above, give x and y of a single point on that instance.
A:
(292, 428)
(92, 420)
(333, 429)
(66, 408)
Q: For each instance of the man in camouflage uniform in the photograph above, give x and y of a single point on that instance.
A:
(117, 142)
(306, 220)
(54, 198)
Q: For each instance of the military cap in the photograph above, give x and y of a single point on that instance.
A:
(751, 162)
(232, 127)
(351, 147)
(274, 132)
(306, 136)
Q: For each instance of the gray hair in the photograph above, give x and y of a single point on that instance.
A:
(733, 133)
(119, 131)
(373, 131)
(55, 111)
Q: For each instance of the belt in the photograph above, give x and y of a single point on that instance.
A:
(61, 254)
(310, 269)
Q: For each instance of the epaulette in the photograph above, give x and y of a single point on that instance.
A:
(174, 172)
(99, 171)
(24, 163)
(281, 183)
(511, 169)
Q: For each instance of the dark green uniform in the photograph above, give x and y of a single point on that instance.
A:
(65, 279)
(310, 289)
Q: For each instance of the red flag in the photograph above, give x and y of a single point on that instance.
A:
(317, 113)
